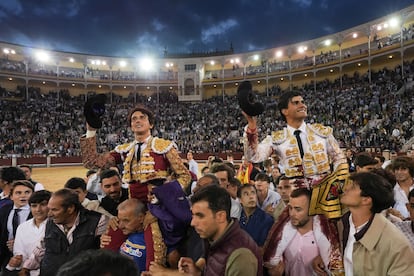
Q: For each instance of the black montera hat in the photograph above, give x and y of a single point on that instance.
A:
(248, 100)
(94, 109)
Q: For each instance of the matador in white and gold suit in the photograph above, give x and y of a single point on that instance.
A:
(309, 154)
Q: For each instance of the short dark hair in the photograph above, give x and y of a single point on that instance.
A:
(76, 182)
(10, 174)
(108, 174)
(25, 183)
(404, 162)
(26, 166)
(99, 263)
(377, 188)
(144, 110)
(262, 177)
(204, 169)
(235, 182)
(90, 172)
(218, 199)
(389, 176)
(214, 180)
(70, 198)
(243, 187)
(267, 163)
(220, 167)
(231, 165)
(301, 192)
(40, 196)
(285, 99)
(363, 159)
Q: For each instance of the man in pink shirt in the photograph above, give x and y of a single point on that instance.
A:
(301, 239)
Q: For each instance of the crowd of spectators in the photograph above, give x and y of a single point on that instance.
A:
(377, 115)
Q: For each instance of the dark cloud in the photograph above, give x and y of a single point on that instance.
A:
(130, 27)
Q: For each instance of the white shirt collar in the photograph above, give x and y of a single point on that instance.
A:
(302, 128)
(25, 207)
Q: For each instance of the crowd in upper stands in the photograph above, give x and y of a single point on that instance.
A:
(377, 115)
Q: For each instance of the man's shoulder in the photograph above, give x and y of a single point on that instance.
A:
(279, 136)
(6, 208)
(320, 130)
(274, 194)
(161, 146)
(242, 261)
(87, 214)
(27, 224)
(123, 148)
(91, 204)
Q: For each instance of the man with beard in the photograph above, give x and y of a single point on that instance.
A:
(111, 185)
(301, 239)
(228, 250)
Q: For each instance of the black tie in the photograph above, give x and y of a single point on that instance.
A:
(15, 221)
(297, 135)
(138, 155)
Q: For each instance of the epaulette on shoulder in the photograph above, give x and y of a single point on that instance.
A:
(124, 147)
(321, 130)
(278, 137)
(161, 146)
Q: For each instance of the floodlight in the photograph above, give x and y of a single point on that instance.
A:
(279, 54)
(146, 64)
(42, 56)
(394, 22)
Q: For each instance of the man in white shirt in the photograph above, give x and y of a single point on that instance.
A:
(267, 199)
(7, 176)
(29, 233)
(407, 226)
(403, 167)
(372, 244)
(12, 215)
(193, 166)
(224, 174)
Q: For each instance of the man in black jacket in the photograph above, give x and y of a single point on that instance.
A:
(70, 230)
(12, 215)
(111, 185)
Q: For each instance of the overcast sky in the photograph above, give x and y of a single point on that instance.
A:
(128, 28)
